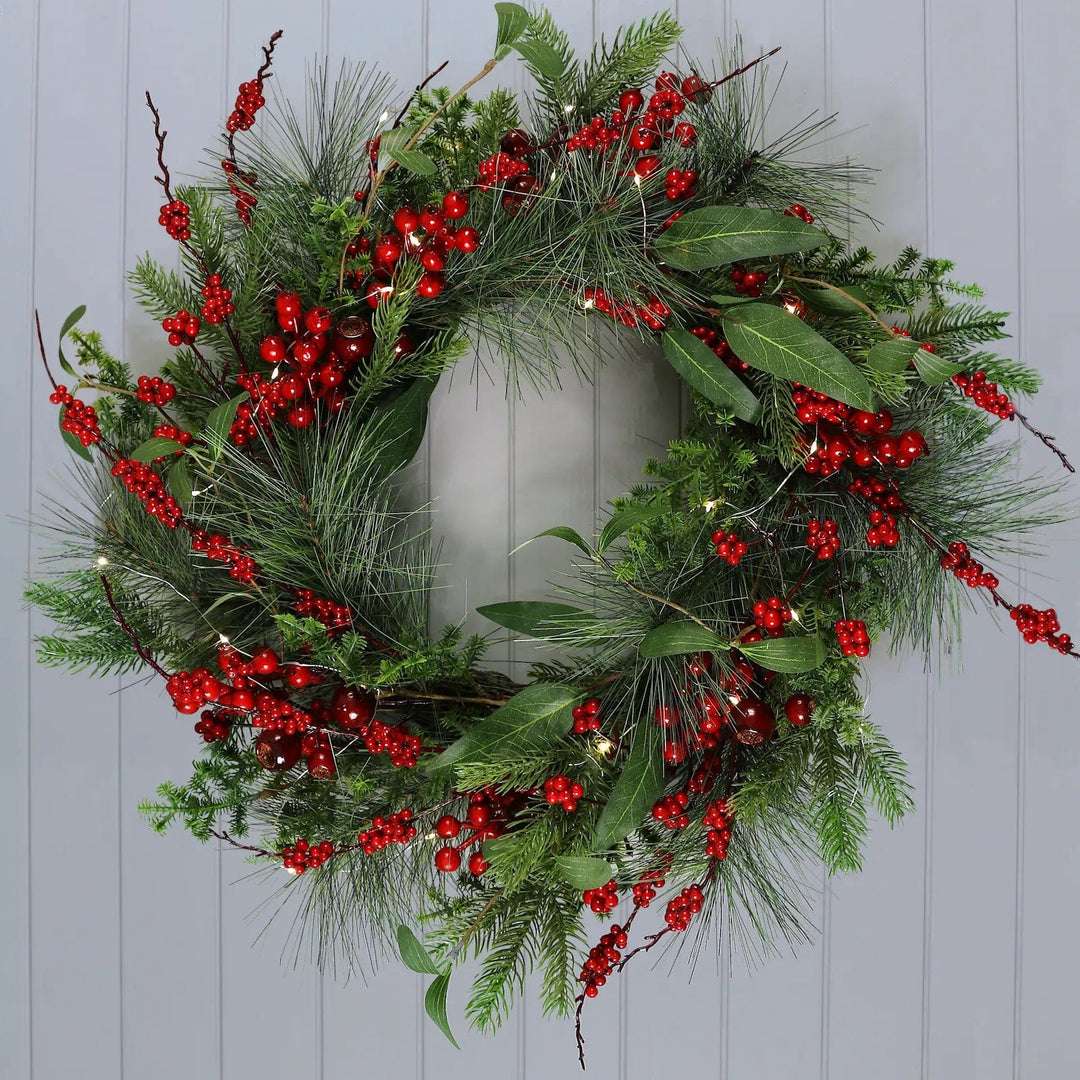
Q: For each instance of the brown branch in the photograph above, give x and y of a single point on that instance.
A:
(419, 87)
(1048, 441)
(822, 283)
(745, 68)
(41, 348)
(143, 654)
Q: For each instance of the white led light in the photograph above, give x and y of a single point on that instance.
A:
(223, 639)
(102, 561)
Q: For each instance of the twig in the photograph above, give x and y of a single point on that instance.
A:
(406, 696)
(467, 937)
(820, 282)
(668, 603)
(745, 68)
(1047, 440)
(419, 87)
(143, 654)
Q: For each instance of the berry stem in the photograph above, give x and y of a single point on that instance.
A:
(821, 283)
(419, 87)
(1048, 441)
(143, 654)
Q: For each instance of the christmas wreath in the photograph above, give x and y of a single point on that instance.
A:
(698, 732)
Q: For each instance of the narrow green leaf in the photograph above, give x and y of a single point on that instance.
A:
(415, 162)
(709, 375)
(892, 356)
(155, 448)
(400, 426)
(514, 20)
(623, 520)
(933, 369)
(218, 422)
(771, 339)
(563, 532)
(179, 482)
(719, 235)
(640, 784)
(72, 442)
(677, 638)
(435, 1006)
(722, 300)
(396, 138)
(531, 721)
(541, 57)
(535, 617)
(829, 302)
(68, 323)
(413, 953)
(585, 871)
(786, 654)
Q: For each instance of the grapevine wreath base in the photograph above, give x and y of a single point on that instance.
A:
(699, 732)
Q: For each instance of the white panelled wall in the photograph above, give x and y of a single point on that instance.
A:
(954, 955)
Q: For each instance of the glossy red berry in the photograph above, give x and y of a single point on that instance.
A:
(455, 204)
(447, 860)
(799, 708)
(406, 220)
(478, 865)
(753, 721)
(430, 285)
(467, 239)
(447, 827)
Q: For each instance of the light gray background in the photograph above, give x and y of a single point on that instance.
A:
(953, 956)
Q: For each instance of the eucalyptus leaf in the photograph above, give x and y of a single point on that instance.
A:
(399, 428)
(892, 356)
(68, 323)
(933, 369)
(585, 871)
(179, 481)
(720, 235)
(530, 722)
(218, 422)
(413, 954)
(639, 785)
(415, 162)
(709, 375)
(514, 20)
(830, 302)
(396, 138)
(773, 340)
(562, 532)
(623, 520)
(541, 57)
(678, 638)
(786, 654)
(155, 448)
(435, 1006)
(71, 440)
(535, 617)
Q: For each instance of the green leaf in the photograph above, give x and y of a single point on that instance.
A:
(413, 953)
(155, 448)
(892, 356)
(731, 301)
(771, 339)
(719, 235)
(435, 1006)
(787, 654)
(396, 138)
(535, 617)
(640, 784)
(514, 20)
(933, 369)
(829, 302)
(179, 482)
(69, 322)
(563, 532)
(709, 375)
(531, 721)
(415, 162)
(71, 440)
(677, 638)
(541, 57)
(623, 520)
(400, 426)
(218, 422)
(585, 871)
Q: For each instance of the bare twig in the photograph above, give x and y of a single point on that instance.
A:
(143, 654)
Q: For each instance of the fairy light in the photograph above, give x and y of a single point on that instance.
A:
(588, 303)
(795, 615)
(604, 746)
(792, 305)
(102, 561)
(223, 639)
(385, 116)
(568, 109)
(275, 372)
(734, 699)
(709, 505)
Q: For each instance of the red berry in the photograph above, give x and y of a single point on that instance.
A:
(455, 204)
(447, 827)
(799, 708)
(447, 860)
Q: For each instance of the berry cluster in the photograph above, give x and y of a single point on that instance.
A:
(303, 856)
(217, 300)
(241, 184)
(489, 815)
(80, 419)
(883, 531)
(729, 547)
(852, 636)
(1036, 625)
(864, 437)
(717, 820)
(679, 184)
(337, 618)
(182, 328)
(171, 431)
(719, 346)
(154, 390)
(586, 716)
(671, 810)
(985, 394)
(653, 313)
(353, 708)
(682, 908)
(603, 899)
(958, 560)
(823, 538)
(772, 616)
(749, 282)
(396, 829)
(602, 960)
(144, 483)
(800, 211)
(176, 217)
(646, 888)
(498, 169)
(191, 690)
(562, 791)
(249, 101)
(242, 567)
(213, 726)
(883, 492)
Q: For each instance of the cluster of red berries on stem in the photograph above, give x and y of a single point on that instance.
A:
(353, 708)
(303, 855)
(182, 328)
(154, 390)
(863, 437)
(653, 313)
(883, 531)
(191, 690)
(720, 347)
(1036, 625)
(146, 485)
(217, 300)
(823, 538)
(670, 810)
(171, 431)
(852, 636)
(488, 816)
(748, 282)
(647, 886)
(728, 546)
(586, 716)
(602, 959)
(175, 216)
(241, 184)
(218, 548)
(772, 615)
(800, 211)
(682, 908)
(679, 184)
(959, 561)
(397, 828)
(562, 791)
(603, 899)
(717, 821)
(212, 726)
(337, 618)
(80, 419)
(985, 394)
